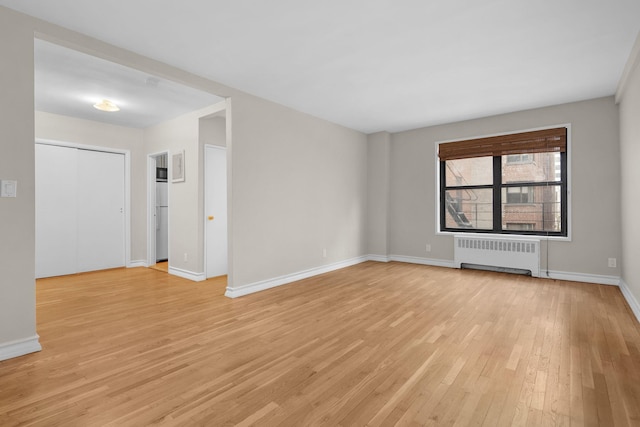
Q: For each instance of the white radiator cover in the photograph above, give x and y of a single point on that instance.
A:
(498, 252)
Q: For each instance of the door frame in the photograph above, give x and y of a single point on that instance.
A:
(127, 186)
(151, 207)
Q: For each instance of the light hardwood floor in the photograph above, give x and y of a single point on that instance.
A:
(374, 344)
(161, 266)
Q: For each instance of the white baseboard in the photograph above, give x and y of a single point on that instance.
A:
(234, 292)
(21, 347)
(378, 258)
(423, 261)
(137, 263)
(186, 274)
(558, 275)
(580, 277)
(631, 299)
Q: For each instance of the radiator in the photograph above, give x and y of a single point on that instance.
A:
(520, 254)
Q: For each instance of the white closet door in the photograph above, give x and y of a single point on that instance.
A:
(100, 210)
(216, 210)
(56, 210)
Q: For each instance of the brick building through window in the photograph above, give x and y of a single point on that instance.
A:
(511, 193)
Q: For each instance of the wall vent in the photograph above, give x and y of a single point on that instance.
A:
(502, 253)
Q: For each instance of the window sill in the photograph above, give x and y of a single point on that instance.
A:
(505, 236)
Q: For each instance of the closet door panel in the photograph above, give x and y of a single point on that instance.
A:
(56, 210)
(100, 210)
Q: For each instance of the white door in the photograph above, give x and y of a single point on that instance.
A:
(216, 210)
(56, 210)
(100, 210)
(79, 210)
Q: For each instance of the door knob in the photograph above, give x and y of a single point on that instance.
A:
(210, 217)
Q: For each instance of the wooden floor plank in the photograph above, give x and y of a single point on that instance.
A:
(372, 344)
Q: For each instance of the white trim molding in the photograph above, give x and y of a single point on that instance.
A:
(423, 261)
(631, 299)
(234, 292)
(544, 274)
(186, 274)
(580, 277)
(137, 263)
(21, 347)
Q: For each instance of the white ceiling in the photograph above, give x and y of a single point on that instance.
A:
(69, 82)
(376, 64)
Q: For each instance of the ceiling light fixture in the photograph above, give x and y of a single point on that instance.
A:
(106, 105)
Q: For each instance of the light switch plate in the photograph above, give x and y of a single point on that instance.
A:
(8, 188)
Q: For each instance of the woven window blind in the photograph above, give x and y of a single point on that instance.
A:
(539, 141)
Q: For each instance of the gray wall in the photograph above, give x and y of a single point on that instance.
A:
(299, 186)
(595, 194)
(630, 172)
(213, 131)
(17, 228)
(379, 146)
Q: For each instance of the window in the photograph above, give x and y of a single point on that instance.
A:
(519, 226)
(519, 195)
(509, 184)
(519, 158)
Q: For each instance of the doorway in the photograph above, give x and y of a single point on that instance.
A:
(158, 208)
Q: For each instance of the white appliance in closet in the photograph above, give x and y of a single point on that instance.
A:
(162, 221)
(80, 221)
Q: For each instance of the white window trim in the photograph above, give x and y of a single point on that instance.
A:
(439, 232)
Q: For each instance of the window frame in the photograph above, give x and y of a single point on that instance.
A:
(530, 194)
(520, 161)
(565, 183)
(518, 223)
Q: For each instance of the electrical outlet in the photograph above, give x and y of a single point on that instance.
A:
(324, 253)
(186, 258)
(428, 247)
(612, 262)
